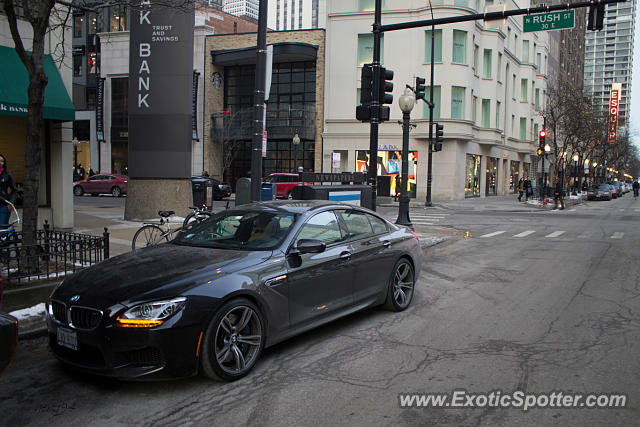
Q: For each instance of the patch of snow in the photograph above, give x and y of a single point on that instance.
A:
(25, 313)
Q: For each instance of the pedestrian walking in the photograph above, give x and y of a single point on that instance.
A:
(557, 195)
(8, 191)
(528, 189)
(635, 187)
(520, 189)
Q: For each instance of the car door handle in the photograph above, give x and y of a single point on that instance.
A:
(346, 255)
(386, 244)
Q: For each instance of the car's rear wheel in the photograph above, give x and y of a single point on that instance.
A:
(233, 341)
(116, 191)
(401, 285)
(78, 191)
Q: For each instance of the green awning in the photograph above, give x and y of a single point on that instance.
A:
(14, 81)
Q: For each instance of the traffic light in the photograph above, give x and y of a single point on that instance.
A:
(386, 86)
(541, 136)
(596, 17)
(439, 139)
(419, 89)
(539, 151)
(366, 84)
(363, 111)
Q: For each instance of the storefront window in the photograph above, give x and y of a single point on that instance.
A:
(472, 176)
(492, 176)
(389, 171)
(92, 63)
(118, 18)
(94, 26)
(514, 177)
(78, 21)
(77, 65)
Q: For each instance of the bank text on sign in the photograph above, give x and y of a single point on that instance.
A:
(549, 21)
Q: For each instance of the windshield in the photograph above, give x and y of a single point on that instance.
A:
(245, 230)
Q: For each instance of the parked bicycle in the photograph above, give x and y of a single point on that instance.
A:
(153, 233)
(197, 216)
(8, 235)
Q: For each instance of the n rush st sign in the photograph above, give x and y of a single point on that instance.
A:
(614, 102)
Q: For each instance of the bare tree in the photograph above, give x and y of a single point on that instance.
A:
(229, 131)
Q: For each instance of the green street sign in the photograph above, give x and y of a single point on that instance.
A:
(549, 21)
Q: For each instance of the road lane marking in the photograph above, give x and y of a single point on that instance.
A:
(617, 235)
(555, 234)
(525, 233)
(421, 222)
(495, 233)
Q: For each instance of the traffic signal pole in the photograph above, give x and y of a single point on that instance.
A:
(372, 168)
(430, 157)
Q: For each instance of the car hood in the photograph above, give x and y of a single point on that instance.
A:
(156, 272)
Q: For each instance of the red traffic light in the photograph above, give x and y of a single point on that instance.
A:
(542, 133)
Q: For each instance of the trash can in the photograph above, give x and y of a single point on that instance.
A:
(243, 191)
(268, 191)
(199, 188)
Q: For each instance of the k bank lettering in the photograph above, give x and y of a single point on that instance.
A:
(160, 70)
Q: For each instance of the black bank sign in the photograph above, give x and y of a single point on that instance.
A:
(160, 85)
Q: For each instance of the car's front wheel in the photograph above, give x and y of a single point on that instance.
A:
(78, 191)
(401, 285)
(233, 341)
(116, 191)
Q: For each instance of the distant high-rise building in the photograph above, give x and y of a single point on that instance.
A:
(296, 14)
(609, 58)
(242, 7)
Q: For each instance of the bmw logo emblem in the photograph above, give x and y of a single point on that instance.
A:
(75, 298)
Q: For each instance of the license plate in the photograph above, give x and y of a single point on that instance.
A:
(67, 338)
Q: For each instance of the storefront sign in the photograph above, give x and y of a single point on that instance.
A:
(355, 177)
(161, 89)
(100, 110)
(614, 102)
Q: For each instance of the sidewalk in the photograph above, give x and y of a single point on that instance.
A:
(489, 203)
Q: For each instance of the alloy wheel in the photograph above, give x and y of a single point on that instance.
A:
(403, 282)
(238, 340)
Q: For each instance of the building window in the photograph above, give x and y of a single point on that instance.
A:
(474, 109)
(117, 18)
(535, 131)
(475, 59)
(436, 102)
(437, 41)
(78, 22)
(457, 102)
(523, 128)
(537, 97)
(94, 25)
(499, 77)
(92, 63)
(498, 115)
(524, 85)
(365, 49)
(463, 3)
(486, 113)
(486, 65)
(513, 126)
(77, 65)
(459, 47)
(513, 87)
(538, 59)
(368, 5)
(525, 51)
(91, 97)
(472, 176)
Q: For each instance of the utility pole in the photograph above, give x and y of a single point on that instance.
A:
(430, 157)
(259, 107)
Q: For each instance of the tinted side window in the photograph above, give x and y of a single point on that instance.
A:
(357, 224)
(323, 226)
(378, 225)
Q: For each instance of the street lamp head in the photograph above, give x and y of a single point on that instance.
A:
(406, 101)
(296, 139)
(586, 162)
(547, 148)
(575, 157)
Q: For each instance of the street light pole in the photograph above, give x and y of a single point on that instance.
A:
(296, 142)
(406, 103)
(258, 104)
(430, 155)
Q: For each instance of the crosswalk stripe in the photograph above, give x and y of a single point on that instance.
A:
(495, 233)
(555, 234)
(617, 235)
(636, 210)
(525, 233)
(621, 210)
(421, 222)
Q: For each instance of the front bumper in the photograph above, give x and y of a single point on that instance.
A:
(167, 351)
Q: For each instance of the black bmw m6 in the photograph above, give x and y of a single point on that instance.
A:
(213, 298)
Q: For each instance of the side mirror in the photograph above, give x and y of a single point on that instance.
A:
(310, 246)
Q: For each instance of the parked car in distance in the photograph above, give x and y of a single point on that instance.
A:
(103, 183)
(599, 192)
(224, 289)
(618, 186)
(614, 191)
(285, 182)
(219, 189)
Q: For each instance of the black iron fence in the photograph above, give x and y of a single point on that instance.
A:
(55, 254)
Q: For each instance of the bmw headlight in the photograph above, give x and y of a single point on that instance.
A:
(150, 314)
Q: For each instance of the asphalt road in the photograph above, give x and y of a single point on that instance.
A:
(535, 301)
